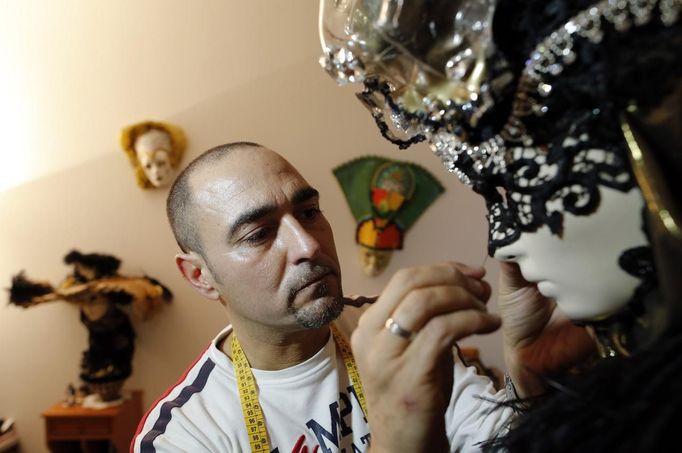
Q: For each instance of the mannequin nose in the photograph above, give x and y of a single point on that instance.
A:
(508, 253)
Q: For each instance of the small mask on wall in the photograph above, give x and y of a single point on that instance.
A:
(155, 150)
(386, 197)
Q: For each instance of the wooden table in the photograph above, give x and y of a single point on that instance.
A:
(79, 429)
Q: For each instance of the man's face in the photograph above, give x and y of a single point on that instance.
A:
(270, 250)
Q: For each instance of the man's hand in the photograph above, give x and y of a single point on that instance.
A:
(408, 381)
(539, 340)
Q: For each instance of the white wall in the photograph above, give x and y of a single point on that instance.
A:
(222, 70)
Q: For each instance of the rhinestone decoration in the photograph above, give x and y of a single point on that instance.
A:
(445, 125)
(343, 65)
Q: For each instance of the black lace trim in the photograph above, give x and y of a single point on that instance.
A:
(539, 186)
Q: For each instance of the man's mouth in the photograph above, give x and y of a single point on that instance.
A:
(314, 279)
(310, 279)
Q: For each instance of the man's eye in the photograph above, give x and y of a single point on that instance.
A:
(257, 236)
(310, 213)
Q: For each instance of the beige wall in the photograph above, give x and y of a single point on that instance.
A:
(223, 71)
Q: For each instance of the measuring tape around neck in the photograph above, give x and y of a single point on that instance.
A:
(248, 393)
(351, 367)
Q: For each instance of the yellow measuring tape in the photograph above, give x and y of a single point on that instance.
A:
(248, 397)
(248, 394)
(351, 367)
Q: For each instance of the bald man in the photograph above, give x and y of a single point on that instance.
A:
(281, 377)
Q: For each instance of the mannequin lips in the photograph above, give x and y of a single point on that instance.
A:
(546, 288)
(530, 272)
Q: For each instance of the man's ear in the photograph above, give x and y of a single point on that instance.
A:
(196, 272)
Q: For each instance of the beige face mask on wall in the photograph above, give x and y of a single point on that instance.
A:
(154, 150)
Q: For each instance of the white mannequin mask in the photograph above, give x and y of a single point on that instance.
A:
(153, 149)
(580, 269)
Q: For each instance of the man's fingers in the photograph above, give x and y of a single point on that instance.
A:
(479, 287)
(477, 272)
(418, 309)
(408, 280)
(423, 304)
(485, 291)
(441, 333)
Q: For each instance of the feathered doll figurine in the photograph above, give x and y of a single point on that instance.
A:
(100, 293)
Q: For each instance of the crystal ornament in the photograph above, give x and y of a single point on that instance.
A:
(343, 65)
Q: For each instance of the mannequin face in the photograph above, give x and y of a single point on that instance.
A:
(580, 269)
(153, 150)
(156, 166)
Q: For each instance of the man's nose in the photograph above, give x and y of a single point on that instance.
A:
(301, 244)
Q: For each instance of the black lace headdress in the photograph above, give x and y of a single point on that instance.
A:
(558, 76)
